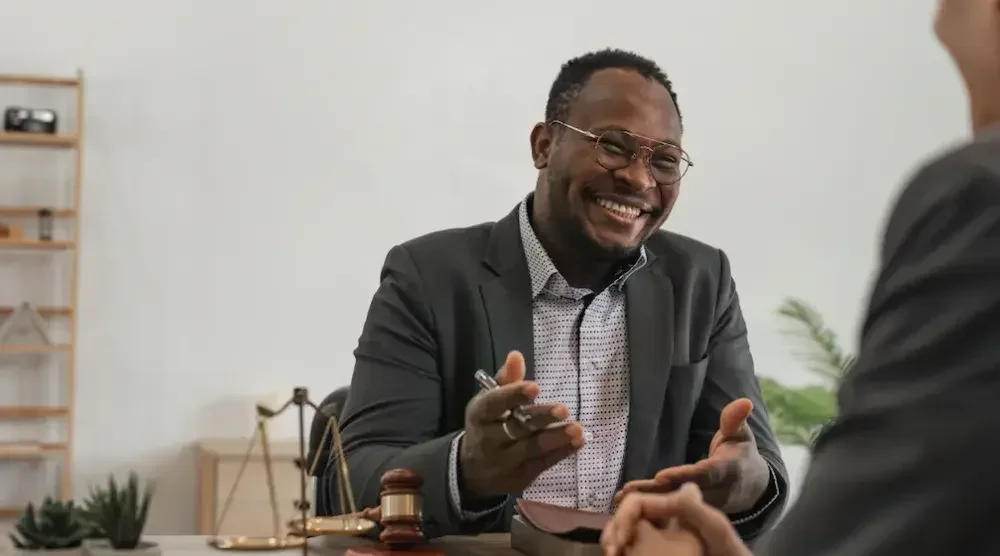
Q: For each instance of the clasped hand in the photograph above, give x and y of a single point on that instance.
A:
(499, 455)
(680, 523)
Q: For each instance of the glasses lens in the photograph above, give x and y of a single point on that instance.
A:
(616, 150)
(668, 164)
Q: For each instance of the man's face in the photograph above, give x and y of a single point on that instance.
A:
(970, 32)
(601, 211)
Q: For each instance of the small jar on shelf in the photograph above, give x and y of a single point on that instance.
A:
(45, 224)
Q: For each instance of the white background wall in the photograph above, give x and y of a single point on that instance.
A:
(250, 162)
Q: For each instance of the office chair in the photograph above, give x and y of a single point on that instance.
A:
(333, 404)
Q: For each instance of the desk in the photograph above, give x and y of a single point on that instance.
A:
(483, 545)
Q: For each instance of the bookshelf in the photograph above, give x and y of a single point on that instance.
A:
(29, 450)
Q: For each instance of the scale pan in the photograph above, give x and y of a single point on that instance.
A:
(333, 525)
(255, 543)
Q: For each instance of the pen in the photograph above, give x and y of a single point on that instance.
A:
(487, 382)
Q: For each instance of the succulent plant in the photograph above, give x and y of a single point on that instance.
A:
(55, 525)
(118, 513)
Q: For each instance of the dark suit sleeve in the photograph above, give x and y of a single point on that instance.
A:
(393, 411)
(731, 376)
(910, 466)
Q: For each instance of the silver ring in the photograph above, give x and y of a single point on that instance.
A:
(507, 431)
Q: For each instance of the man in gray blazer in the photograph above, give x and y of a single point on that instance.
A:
(623, 344)
(909, 468)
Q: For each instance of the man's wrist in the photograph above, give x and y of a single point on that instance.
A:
(472, 501)
(765, 501)
(752, 488)
(464, 507)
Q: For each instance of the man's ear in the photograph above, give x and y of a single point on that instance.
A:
(541, 145)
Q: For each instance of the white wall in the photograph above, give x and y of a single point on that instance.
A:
(249, 163)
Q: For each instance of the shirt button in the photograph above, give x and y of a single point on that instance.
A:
(588, 436)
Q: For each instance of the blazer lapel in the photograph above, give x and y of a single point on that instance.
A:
(650, 307)
(507, 294)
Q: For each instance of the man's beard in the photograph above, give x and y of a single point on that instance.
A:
(572, 228)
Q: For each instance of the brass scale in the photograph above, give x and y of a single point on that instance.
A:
(303, 526)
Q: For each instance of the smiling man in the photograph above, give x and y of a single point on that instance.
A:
(624, 345)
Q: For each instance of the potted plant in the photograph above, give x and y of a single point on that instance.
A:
(117, 514)
(799, 414)
(55, 527)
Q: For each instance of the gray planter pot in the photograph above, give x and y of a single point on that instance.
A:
(97, 547)
(59, 552)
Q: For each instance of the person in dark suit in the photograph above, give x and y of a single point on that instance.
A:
(624, 344)
(908, 468)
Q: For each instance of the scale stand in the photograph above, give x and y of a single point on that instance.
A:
(354, 523)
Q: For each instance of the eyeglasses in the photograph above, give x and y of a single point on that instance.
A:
(616, 149)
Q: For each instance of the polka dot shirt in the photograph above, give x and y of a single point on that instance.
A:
(581, 360)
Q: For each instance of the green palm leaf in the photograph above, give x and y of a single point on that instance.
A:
(797, 413)
(820, 350)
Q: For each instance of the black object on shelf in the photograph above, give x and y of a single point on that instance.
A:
(45, 224)
(30, 120)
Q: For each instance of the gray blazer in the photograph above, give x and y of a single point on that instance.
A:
(910, 467)
(459, 300)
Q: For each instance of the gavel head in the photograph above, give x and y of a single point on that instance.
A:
(400, 497)
(400, 507)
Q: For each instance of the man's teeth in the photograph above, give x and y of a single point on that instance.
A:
(620, 208)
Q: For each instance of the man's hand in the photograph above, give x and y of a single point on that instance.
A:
(491, 463)
(734, 475)
(648, 524)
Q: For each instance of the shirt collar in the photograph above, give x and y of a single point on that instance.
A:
(543, 271)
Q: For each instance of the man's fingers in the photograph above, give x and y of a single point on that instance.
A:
(733, 421)
(533, 453)
(490, 406)
(513, 369)
(642, 485)
(544, 415)
(541, 417)
(706, 474)
(540, 443)
(528, 443)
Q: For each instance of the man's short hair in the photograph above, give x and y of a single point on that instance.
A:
(575, 73)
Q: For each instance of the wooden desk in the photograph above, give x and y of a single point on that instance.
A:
(483, 545)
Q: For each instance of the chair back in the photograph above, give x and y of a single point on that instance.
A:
(333, 405)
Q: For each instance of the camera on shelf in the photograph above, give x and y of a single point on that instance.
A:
(30, 120)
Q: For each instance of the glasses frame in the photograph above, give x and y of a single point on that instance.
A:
(647, 158)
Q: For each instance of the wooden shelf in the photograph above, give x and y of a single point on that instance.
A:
(35, 245)
(44, 311)
(19, 451)
(38, 80)
(11, 513)
(34, 349)
(59, 140)
(32, 212)
(32, 412)
(71, 139)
